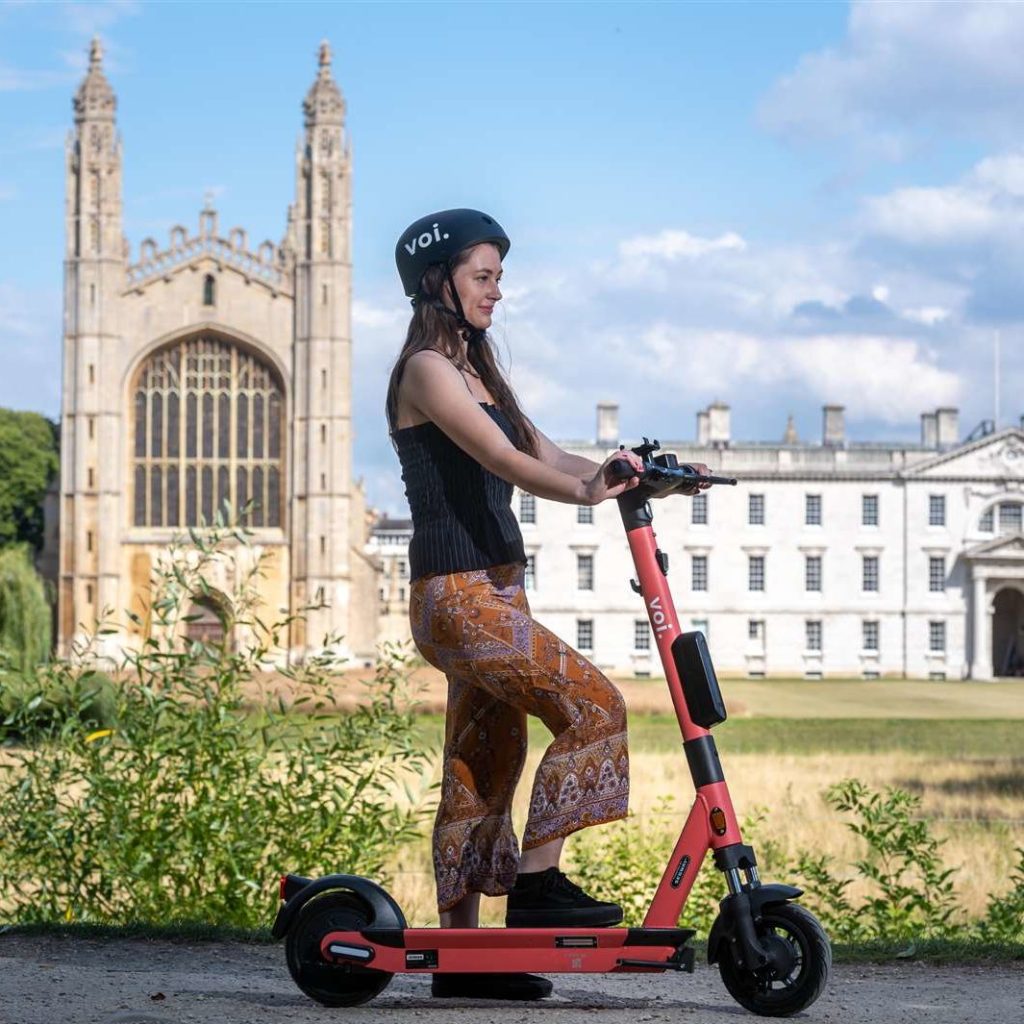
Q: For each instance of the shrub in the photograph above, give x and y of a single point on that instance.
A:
(25, 625)
(188, 807)
(624, 861)
(1004, 916)
(911, 892)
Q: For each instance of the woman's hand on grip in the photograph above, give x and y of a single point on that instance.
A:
(602, 486)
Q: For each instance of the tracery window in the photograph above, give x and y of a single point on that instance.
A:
(208, 427)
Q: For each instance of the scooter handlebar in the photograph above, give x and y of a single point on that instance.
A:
(682, 476)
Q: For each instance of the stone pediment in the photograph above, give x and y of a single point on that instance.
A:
(1001, 549)
(269, 265)
(998, 456)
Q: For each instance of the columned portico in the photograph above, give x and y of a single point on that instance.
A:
(996, 568)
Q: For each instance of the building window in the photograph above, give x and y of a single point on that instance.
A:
(698, 572)
(812, 509)
(641, 635)
(869, 573)
(585, 634)
(701, 626)
(869, 634)
(755, 629)
(403, 568)
(530, 573)
(527, 508)
(209, 290)
(584, 572)
(699, 510)
(985, 523)
(936, 573)
(812, 573)
(584, 514)
(1010, 517)
(208, 427)
(755, 572)
(755, 509)
(936, 510)
(937, 637)
(869, 510)
(812, 634)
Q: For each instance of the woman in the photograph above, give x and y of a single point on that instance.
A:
(464, 442)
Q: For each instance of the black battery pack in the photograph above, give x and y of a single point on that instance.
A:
(700, 685)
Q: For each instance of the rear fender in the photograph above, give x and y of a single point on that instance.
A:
(386, 912)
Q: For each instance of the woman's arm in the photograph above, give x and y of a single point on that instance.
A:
(552, 455)
(436, 389)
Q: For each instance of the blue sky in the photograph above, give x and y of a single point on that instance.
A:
(775, 204)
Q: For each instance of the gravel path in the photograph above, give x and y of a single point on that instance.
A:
(51, 980)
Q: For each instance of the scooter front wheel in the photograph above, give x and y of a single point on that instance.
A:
(327, 983)
(803, 960)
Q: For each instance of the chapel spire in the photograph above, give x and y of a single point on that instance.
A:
(95, 99)
(324, 104)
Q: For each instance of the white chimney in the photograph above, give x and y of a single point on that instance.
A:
(607, 424)
(929, 430)
(718, 423)
(948, 427)
(833, 426)
(703, 427)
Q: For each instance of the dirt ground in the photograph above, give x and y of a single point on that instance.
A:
(54, 980)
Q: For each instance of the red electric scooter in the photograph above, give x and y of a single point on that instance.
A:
(345, 936)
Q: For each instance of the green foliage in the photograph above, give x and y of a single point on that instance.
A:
(910, 898)
(1004, 917)
(624, 861)
(183, 808)
(35, 706)
(25, 622)
(28, 462)
(911, 892)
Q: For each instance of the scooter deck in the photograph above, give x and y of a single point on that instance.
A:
(544, 950)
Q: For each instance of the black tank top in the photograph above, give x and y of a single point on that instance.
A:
(461, 513)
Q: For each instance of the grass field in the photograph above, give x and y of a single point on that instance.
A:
(959, 746)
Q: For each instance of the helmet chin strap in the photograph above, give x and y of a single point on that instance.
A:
(472, 334)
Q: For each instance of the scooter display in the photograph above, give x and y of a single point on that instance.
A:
(345, 936)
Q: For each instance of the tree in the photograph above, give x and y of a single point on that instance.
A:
(28, 463)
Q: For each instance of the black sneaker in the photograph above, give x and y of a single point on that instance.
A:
(547, 899)
(489, 986)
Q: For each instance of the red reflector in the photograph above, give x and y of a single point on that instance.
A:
(281, 887)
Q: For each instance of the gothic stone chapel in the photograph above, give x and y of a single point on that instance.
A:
(206, 373)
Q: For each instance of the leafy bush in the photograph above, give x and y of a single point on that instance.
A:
(25, 624)
(32, 706)
(911, 893)
(187, 807)
(1004, 916)
(624, 861)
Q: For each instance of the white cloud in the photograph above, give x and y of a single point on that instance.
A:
(904, 69)
(673, 245)
(985, 206)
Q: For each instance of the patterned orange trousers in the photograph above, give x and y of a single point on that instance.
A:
(502, 665)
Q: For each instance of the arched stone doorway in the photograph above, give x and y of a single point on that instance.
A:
(1008, 633)
(208, 621)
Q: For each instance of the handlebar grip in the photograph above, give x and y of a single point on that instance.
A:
(620, 469)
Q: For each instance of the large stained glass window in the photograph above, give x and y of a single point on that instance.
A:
(208, 422)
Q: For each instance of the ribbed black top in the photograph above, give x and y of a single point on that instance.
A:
(461, 513)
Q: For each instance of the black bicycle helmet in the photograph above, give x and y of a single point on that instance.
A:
(438, 238)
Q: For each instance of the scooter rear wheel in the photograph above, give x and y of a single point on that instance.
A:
(331, 984)
(804, 955)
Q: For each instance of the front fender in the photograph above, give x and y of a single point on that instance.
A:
(386, 912)
(752, 901)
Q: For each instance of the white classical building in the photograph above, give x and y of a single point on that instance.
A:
(835, 558)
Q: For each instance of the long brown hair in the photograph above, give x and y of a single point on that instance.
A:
(431, 328)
